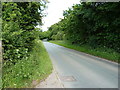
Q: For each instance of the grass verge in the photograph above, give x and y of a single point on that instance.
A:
(100, 52)
(29, 71)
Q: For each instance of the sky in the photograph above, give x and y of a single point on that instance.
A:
(55, 11)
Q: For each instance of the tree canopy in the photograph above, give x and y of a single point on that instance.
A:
(18, 28)
(94, 23)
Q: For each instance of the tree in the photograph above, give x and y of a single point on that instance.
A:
(18, 28)
(94, 23)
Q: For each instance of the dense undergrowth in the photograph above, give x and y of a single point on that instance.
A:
(25, 59)
(103, 52)
(95, 24)
(36, 67)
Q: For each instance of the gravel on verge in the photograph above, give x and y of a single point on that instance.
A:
(52, 81)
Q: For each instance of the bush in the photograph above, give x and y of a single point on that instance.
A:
(36, 67)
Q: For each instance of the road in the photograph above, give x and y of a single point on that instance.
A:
(79, 70)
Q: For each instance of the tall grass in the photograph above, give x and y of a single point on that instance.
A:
(100, 52)
(30, 70)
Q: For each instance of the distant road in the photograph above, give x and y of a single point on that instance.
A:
(79, 70)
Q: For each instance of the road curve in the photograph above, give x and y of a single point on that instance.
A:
(78, 70)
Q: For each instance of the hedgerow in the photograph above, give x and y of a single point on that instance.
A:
(19, 21)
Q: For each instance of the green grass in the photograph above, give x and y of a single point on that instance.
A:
(100, 52)
(29, 71)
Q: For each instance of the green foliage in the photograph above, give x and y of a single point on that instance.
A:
(36, 67)
(102, 52)
(58, 36)
(44, 35)
(94, 23)
(20, 56)
(18, 28)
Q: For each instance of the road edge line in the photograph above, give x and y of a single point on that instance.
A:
(56, 73)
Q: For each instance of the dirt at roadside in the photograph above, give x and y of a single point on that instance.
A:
(52, 81)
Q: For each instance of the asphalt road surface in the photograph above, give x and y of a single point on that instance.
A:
(79, 70)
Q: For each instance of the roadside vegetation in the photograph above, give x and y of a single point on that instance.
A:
(91, 25)
(106, 53)
(28, 71)
(25, 60)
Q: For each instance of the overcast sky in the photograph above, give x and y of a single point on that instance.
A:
(55, 11)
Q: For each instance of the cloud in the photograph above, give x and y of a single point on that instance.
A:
(55, 11)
